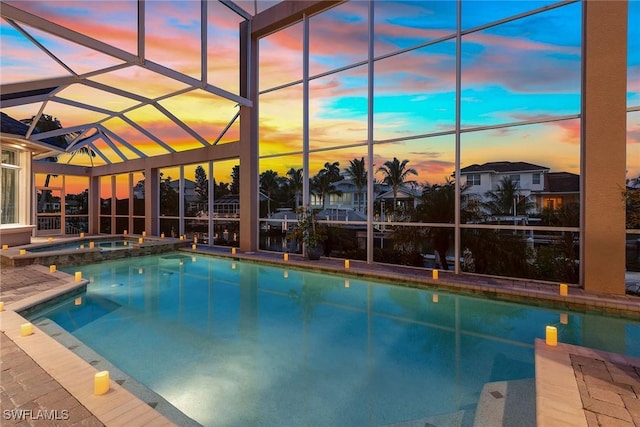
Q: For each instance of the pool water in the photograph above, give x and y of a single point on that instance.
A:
(235, 344)
(84, 244)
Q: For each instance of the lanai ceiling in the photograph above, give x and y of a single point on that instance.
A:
(125, 79)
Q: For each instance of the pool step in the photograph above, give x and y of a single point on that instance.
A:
(507, 404)
(453, 419)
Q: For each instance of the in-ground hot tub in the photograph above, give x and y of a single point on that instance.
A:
(90, 249)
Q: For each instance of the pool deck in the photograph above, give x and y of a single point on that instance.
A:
(575, 386)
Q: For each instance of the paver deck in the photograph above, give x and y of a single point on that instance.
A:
(28, 363)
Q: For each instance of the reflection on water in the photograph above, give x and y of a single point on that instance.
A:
(253, 346)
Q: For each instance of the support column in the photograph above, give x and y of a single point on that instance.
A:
(151, 200)
(94, 205)
(603, 148)
(248, 140)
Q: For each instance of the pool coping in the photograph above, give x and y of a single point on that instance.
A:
(523, 291)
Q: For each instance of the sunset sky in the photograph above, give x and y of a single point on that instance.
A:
(523, 70)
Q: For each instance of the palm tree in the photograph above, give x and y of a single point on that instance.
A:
(505, 197)
(395, 175)
(84, 150)
(358, 173)
(295, 184)
(269, 183)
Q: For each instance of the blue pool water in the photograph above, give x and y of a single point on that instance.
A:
(236, 344)
(84, 244)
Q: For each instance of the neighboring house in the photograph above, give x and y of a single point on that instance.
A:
(486, 177)
(407, 197)
(560, 188)
(349, 198)
(546, 189)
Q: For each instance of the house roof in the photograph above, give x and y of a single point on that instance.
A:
(562, 182)
(403, 193)
(12, 128)
(502, 167)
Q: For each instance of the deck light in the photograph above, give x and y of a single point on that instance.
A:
(140, 240)
(233, 251)
(144, 234)
(92, 245)
(564, 318)
(162, 235)
(52, 268)
(126, 243)
(26, 329)
(285, 256)
(564, 289)
(1, 305)
(23, 251)
(101, 383)
(82, 235)
(195, 239)
(50, 239)
(346, 264)
(125, 232)
(552, 336)
(5, 247)
(181, 237)
(434, 274)
(78, 276)
(194, 246)
(82, 246)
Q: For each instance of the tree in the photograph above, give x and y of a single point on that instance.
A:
(269, 183)
(234, 188)
(395, 175)
(323, 183)
(84, 150)
(295, 184)
(220, 190)
(168, 197)
(501, 200)
(632, 201)
(202, 185)
(438, 205)
(358, 173)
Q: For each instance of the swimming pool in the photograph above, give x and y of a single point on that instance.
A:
(234, 344)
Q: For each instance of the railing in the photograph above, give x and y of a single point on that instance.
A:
(49, 223)
(54, 223)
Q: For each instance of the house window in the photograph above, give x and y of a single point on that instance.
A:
(9, 196)
(473, 179)
(553, 203)
(515, 179)
(536, 179)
